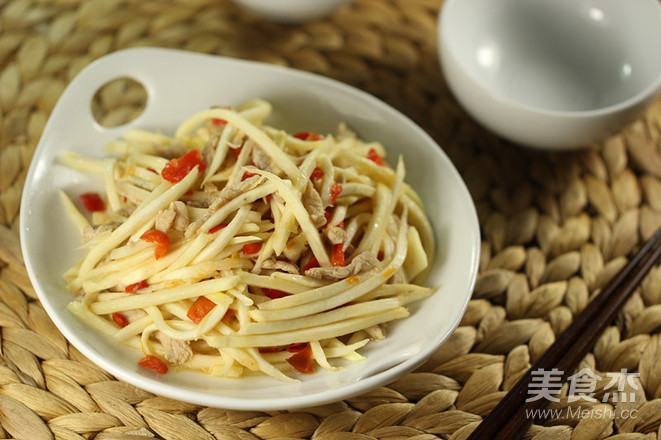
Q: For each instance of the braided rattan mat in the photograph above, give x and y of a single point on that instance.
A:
(555, 228)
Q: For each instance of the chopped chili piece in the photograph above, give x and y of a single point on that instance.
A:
(274, 293)
(217, 228)
(251, 248)
(160, 238)
(337, 258)
(374, 157)
(153, 363)
(302, 361)
(310, 264)
(269, 349)
(220, 121)
(132, 288)
(335, 190)
(307, 136)
(318, 173)
(237, 151)
(329, 216)
(200, 308)
(93, 202)
(248, 174)
(380, 256)
(120, 319)
(297, 348)
(176, 169)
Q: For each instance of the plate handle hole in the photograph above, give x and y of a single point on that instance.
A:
(118, 102)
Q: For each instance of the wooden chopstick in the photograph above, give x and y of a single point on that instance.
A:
(508, 419)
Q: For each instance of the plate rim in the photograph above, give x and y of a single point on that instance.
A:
(172, 390)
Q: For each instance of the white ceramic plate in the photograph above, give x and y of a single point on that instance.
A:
(181, 83)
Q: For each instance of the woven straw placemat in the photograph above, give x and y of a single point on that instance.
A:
(555, 228)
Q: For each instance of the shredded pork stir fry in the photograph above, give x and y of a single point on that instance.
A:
(234, 248)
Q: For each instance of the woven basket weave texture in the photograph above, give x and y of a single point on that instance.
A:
(555, 228)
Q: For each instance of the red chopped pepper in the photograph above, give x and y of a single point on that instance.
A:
(160, 238)
(251, 248)
(153, 363)
(329, 216)
(132, 288)
(176, 169)
(318, 173)
(310, 264)
(307, 136)
(269, 349)
(200, 308)
(335, 190)
(298, 347)
(337, 258)
(247, 175)
(93, 202)
(217, 228)
(221, 121)
(302, 361)
(237, 151)
(274, 293)
(374, 157)
(120, 319)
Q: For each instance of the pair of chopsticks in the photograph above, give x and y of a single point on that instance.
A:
(508, 419)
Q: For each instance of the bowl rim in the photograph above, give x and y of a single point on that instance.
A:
(281, 10)
(446, 49)
(173, 390)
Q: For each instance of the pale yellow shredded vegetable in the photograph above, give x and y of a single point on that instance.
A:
(234, 248)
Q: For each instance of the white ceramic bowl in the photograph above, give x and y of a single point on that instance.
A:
(552, 74)
(291, 11)
(302, 101)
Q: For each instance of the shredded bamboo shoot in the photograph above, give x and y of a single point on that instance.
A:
(253, 250)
